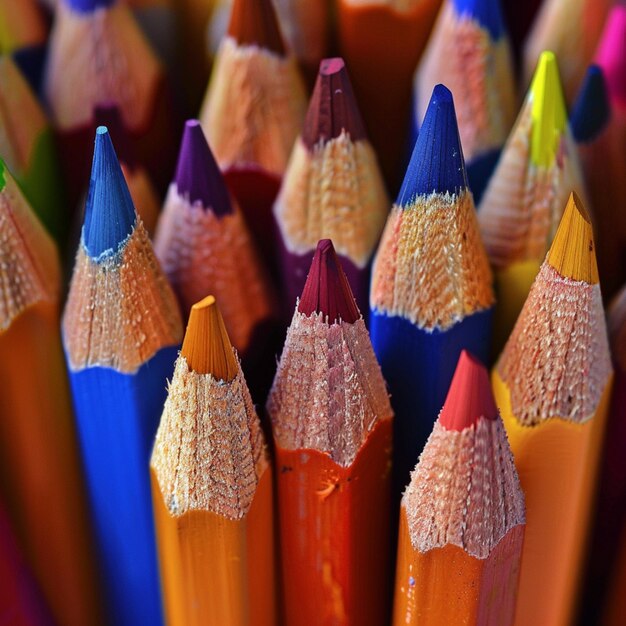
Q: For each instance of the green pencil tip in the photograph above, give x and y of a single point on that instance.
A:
(548, 111)
(3, 182)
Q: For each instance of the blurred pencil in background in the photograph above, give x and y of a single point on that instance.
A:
(462, 515)
(524, 200)
(469, 52)
(332, 189)
(158, 20)
(121, 330)
(553, 386)
(41, 471)
(431, 291)
(331, 420)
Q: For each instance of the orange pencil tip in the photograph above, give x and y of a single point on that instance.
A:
(254, 22)
(206, 345)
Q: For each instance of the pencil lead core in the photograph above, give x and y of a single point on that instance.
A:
(548, 111)
(470, 396)
(89, 6)
(254, 22)
(486, 12)
(573, 253)
(108, 114)
(109, 211)
(197, 173)
(333, 107)
(206, 345)
(437, 164)
(611, 55)
(327, 290)
(592, 110)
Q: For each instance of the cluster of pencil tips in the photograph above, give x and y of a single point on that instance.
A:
(239, 385)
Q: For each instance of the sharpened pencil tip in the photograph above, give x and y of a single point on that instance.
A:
(437, 164)
(3, 181)
(611, 54)
(486, 12)
(109, 211)
(470, 396)
(254, 22)
(327, 290)
(197, 175)
(573, 251)
(333, 107)
(206, 345)
(591, 111)
(89, 6)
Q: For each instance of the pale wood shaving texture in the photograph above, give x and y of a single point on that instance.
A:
(121, 309)
(616, 319)
(556, 362)
(523, 203)
(254, 107)
(478, 72)
(29, 265)
(465, 490)
(334, 192)
(431, 267)
(205, 254)
(209, 452)
(108, 47)
(328, 393)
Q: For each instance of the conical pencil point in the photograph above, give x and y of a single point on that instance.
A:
(254, 22)
(327, 290)
(486, 12)
(109, 211)
(197, 175)
(592, 110)
(109, 115)
(611, 55)
(470, 396)
(206, 345)
(89, 6)
(333, 107)
(437, 164)
(573, 253)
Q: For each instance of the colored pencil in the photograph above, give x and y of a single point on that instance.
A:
(27, 146)
(98, 55)
(38, 453)
(462, 516)
(571, 29)
(20, 601)
(332, 189)
(524, 200)
(381, 42)
(23, 34)
(469, 52)
(331, 420)
(427, 306)
(212, 487)
(610, 161)
(553, 385)
(205, 247)
(252, 113)
(121, 329)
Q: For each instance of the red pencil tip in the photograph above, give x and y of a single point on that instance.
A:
(327, 290)
(470, 396)
(333, 106)
(254, 22)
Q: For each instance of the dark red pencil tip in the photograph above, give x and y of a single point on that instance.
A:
(327, 290)
(108, 114)
(469, 397)
(333, 107)
(254, 22)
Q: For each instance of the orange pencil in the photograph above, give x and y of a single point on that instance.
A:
(38, 451)
(462, 516)
(331, 420)
(552, 385)
(212, 488)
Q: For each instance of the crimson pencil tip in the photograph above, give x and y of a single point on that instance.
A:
(469, 397)
(333, 107)
(254, 22)
(327, 290)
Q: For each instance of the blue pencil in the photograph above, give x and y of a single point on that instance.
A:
(469, 51)
(431, 293)
(121, 331)
(591, 112)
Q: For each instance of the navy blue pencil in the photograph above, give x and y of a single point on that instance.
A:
(431, 293)
(121, 332)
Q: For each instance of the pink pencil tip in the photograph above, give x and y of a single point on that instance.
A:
(611, 54)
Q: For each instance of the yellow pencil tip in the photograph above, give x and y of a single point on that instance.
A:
(206, 345)
(548, 110)
(573, 253)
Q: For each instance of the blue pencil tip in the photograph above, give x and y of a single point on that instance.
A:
(487, 13)
(437, 164)
(109, 211)
(89, 6)
(591, 110)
